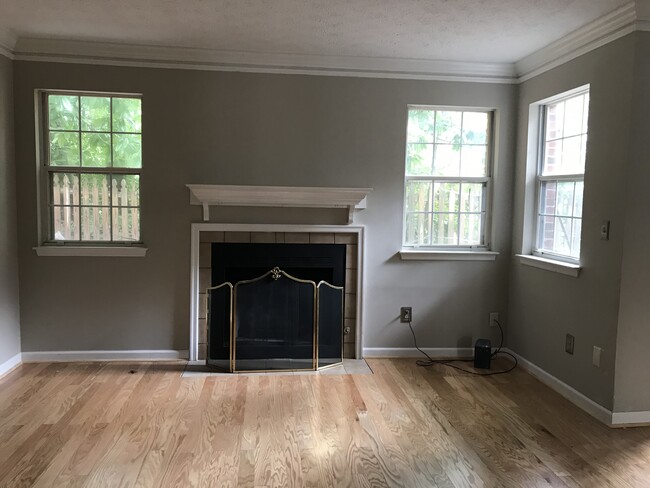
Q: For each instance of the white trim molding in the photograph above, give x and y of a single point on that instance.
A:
(630, 419)
(92, 251)
(561, 267)
(618, 23)
(101, 355)
(574, 396)
(353, 199)
(10, 364)
(601, 31)
(119, 54)
(7, 43)
(433, 255)
(412, 352)
(609, 418)
(195, 242)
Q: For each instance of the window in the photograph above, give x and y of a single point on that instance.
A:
(447, 178)
(560, 176)
(93, 161)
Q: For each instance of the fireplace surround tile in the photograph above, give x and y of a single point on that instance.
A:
(350, 239)
(351, 256)
(203, 305)
(263, 237)
(341, 238)
(237, 237)
(350, 280)
(212, 236)
(321, 238)
(205, 255)
(350, 306)
(296, 237)
(204, 279)
(351, 323)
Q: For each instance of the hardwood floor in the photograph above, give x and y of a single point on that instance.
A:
(141, 424)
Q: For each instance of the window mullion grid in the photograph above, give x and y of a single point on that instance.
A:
(573, 206)
(110, 176)
(450, 179)
(94, 170)
(460, 189)
(460, 155)
(80, 166)
(559, 178)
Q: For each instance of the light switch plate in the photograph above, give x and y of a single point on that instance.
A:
(604, 230)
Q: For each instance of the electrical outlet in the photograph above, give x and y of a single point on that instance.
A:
(595, 359)
(494, 318)
(405, 315)
(570, 342)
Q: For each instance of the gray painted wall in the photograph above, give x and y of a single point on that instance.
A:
(544, 306)
(256, 129)
(9, 308)
(632, 390)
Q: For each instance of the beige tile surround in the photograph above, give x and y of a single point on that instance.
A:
(349, 239)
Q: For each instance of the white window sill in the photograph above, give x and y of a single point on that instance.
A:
(561, 267)
(433, 255)
(92, 251)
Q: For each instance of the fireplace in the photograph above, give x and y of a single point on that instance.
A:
(276, 306)
(205, 235)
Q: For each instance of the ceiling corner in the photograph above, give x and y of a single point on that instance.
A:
(7, 43)
(601, 31)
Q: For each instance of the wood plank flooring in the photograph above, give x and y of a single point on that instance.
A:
(143, 425)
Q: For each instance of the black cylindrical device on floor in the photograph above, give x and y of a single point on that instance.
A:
(482, 353)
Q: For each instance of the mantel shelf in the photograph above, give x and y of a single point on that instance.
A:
(278, 196)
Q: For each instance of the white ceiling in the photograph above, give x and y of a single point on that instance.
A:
(501, 31)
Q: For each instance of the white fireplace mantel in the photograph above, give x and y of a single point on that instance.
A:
(352, 199)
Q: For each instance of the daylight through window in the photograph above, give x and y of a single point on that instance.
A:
(561, 176)
(447, 176)
(93, 151)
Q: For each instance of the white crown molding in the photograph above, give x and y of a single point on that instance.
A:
(33, 49)
(601, 31)
(7, 43)
(634, 16)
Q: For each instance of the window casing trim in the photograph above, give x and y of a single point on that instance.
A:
(44, 170)
(487, 180)
(542, 106)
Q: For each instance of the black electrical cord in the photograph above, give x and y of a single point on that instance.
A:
(449, 362)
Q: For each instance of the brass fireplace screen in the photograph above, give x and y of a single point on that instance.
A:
(275, 322)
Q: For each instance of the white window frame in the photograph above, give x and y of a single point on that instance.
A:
(540, 179)
(452, 252)
(48, 246)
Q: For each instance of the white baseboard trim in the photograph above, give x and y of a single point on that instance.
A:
(123, 355)
(411, 352)
(630, 419)
(574, 396)
(10, 364)
(609, 418)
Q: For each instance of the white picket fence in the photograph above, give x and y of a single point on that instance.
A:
(447, 231)
(86, 213)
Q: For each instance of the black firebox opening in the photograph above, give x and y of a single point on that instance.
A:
(275, 320)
